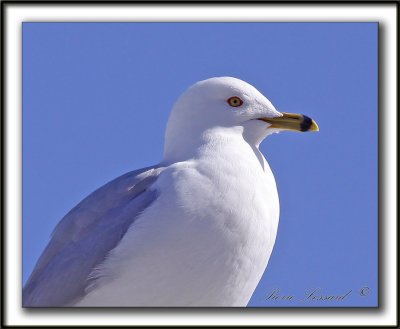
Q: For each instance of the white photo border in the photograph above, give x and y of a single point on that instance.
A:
(14, 13)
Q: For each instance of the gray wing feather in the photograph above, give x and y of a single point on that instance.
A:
(83, 238)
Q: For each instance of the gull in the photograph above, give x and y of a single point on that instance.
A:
(197, 229)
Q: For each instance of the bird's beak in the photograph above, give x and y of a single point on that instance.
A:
(292, 121)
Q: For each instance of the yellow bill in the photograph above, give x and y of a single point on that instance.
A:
(292, 121)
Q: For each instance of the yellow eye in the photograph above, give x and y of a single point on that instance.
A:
(234, 101)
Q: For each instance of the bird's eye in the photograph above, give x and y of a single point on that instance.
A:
(234, 101)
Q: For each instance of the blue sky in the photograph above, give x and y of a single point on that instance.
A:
(96, 98)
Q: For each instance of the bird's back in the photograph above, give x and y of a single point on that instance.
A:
(83, 238)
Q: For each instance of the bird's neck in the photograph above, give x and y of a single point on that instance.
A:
(228, 143)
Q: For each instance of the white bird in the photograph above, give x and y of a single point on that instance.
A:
(195, 230)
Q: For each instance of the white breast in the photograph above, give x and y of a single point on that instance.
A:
(206, 240)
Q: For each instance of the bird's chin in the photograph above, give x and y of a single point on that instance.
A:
(271, 131)
(256, 131)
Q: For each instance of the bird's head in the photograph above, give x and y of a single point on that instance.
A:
(229, 103)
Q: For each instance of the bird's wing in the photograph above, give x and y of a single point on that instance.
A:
(83, 238)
